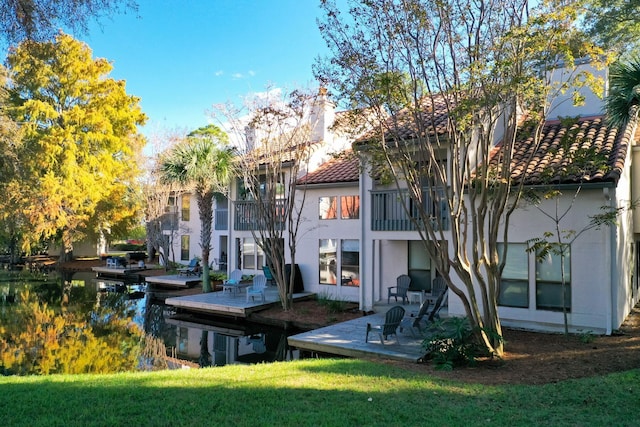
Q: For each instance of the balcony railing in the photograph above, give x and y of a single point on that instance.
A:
(169, 220)
(221, 219)
(246, 215)
(395, 211)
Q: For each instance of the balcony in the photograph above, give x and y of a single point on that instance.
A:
(389, 212)
(221, 219)
(246, 215)
(169, 219)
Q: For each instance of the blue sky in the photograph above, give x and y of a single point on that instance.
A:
(181, 57)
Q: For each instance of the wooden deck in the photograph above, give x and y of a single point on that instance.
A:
(174, 280)
(228, 303)
(104, 271)
(348, 339)
(343, 339)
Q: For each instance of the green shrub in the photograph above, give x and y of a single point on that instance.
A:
(332, 304)
(453, 343)
(128, 247)
(218, 276)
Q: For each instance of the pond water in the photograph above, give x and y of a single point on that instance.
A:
(187, 339)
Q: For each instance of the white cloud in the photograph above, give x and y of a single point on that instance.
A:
(219, 73)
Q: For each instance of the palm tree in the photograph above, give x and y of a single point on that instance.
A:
(201, 162)
(624, 91)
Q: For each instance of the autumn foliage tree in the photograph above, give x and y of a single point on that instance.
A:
(79, 144)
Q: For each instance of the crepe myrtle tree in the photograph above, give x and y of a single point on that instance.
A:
(201, 163)
(276, 135)
(441, 83)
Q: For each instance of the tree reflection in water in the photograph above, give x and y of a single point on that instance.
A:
(44, 333)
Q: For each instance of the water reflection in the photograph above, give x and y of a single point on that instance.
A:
(172, 340)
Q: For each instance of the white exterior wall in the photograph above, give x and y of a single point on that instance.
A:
(312, 229)
(591, 272)
(192, 228)
(624, 296)
(561, 105)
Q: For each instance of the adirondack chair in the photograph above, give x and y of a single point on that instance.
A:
(193, 269)
(400, 290)
(259, 283)
(392, 320)
(267, 273)
(438, 286)
(417, 322)
(413, 323)
(232, 284)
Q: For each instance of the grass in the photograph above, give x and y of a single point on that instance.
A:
(313, 392)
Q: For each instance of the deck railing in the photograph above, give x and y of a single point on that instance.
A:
(246, 215)
(394, 210)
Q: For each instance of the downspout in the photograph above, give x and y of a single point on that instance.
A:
(363, 247)
(612, 270)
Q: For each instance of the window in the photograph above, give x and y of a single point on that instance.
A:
(252, 255)
(549, 289)
(184, 248)
(328, 261)
(186, 207)
(514, 283)
(350, 262)
(328, 207)
(419, 266)
(350, 207)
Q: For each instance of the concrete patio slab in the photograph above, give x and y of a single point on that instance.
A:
(348, 339)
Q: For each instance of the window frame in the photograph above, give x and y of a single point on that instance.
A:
(185, 207)
(550, 282)
(514, 248)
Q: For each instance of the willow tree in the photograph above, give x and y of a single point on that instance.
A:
(79, 140)
(442, 83)
(277, 131)
(201, 163)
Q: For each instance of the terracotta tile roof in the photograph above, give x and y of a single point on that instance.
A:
(434, 120)
(545, 164)
(334, 171)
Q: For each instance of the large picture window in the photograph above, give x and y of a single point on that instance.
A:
(350, 207)
(328, 261)
(549, 289)
(514, 283)
(252, 255)
(419, 266)
(350, 262)
(328, 208)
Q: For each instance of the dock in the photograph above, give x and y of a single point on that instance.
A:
(174, 280)
(119, 272)
(341, 339)
(228, 303)
(348, 339)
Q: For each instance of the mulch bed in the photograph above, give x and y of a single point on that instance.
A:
(530, 357)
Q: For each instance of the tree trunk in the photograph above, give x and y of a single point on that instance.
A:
(66, 247)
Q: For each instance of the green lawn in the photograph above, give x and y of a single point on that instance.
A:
(324, 392)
